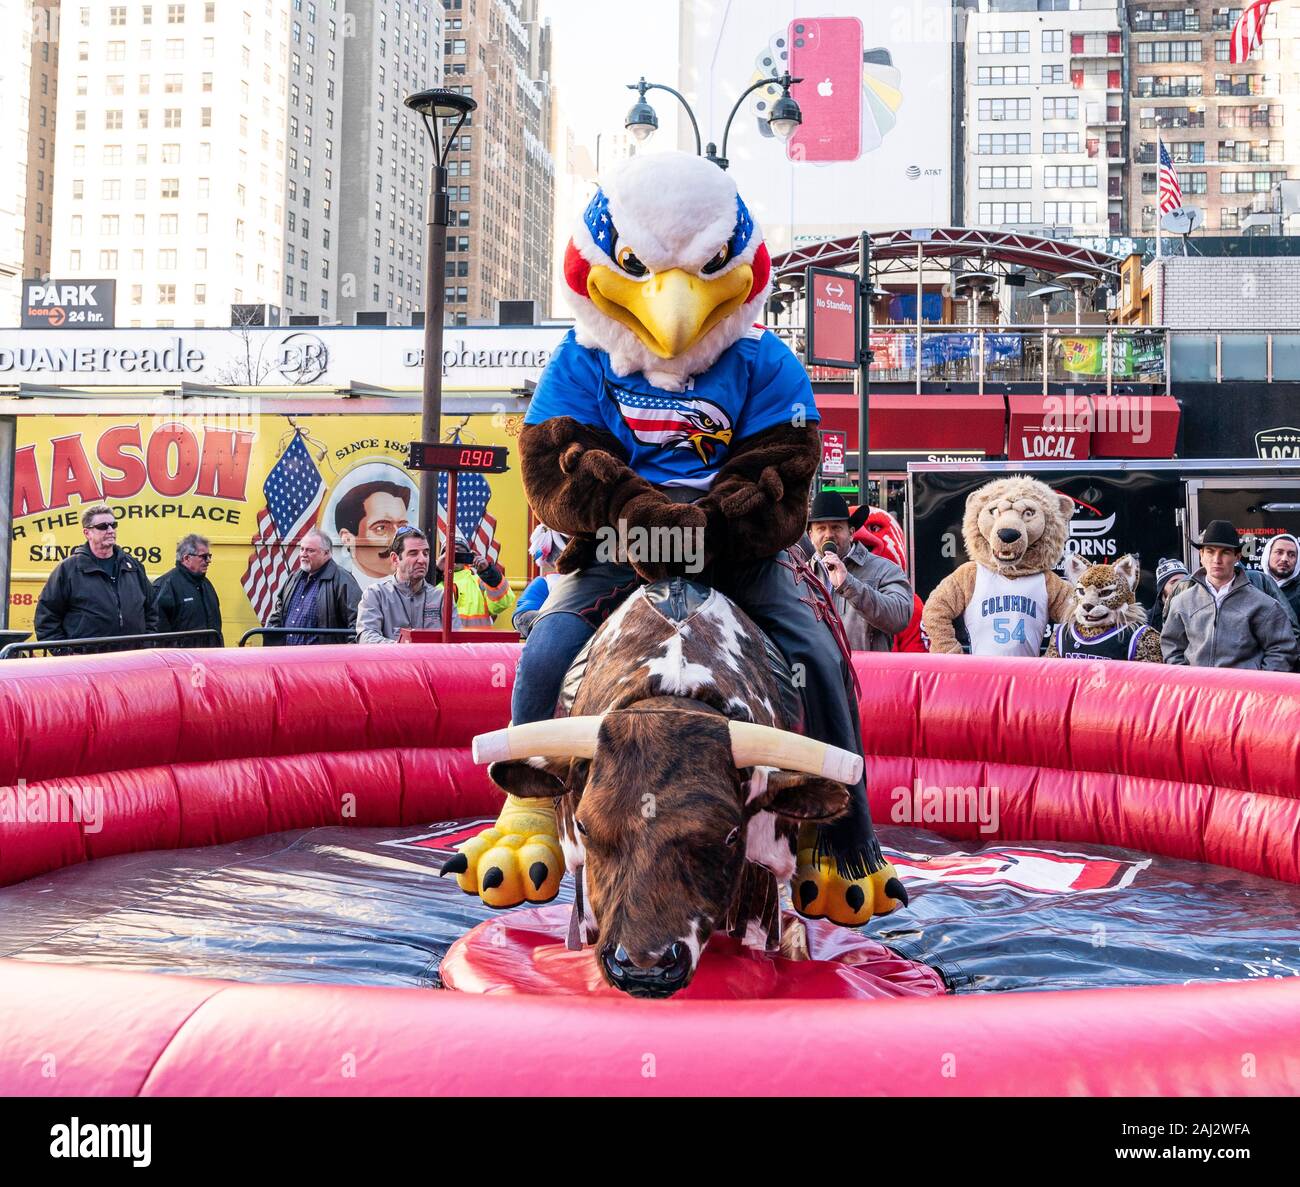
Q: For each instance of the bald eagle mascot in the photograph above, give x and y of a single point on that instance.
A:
(667, 406)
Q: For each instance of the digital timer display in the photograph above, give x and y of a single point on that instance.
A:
(490, 459)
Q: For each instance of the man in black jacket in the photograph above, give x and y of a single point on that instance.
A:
(317, 594)
(99, 590)
(186, 599)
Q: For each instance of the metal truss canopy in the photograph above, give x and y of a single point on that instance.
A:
(1001, 251)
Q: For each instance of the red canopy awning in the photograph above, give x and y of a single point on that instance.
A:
(921, 424)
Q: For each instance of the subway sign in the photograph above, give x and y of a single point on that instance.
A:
(69, 304)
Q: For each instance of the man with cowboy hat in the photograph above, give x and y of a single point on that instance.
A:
(1221, 620)
(871, 594)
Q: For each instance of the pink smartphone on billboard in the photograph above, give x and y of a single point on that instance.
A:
(826, 52)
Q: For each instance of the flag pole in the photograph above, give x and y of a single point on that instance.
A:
(1159, 235)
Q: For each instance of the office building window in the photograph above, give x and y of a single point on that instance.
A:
(1053, 41)
(1168, 51)
(995, 109)
(1070, 177)
(999, 76)
(1013, 42)
(1061, 109)
(1069, 213)
(1060, 142)
(1005, 177)
(998, 213)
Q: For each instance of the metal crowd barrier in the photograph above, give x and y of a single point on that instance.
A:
(334, 634)
(203, 638)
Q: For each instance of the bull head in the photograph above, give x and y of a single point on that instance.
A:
(660, 809)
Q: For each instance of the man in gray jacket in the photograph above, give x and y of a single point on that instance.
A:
(404, 598)
(1221, 620)
(872, 594)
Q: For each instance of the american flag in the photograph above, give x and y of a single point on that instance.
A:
(472, 518)
(293, 491)
(1248, 31)
(1171, 193)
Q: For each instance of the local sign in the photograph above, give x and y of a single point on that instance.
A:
(69, 304)
(832, 307)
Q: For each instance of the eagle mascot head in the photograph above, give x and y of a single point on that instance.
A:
(666, 268)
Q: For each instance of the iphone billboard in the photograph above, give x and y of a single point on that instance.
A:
(874, 150)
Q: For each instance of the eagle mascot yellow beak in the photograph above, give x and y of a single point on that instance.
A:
(669, 311)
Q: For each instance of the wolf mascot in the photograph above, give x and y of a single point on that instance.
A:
(668, 407)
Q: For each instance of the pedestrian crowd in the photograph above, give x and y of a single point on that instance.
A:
(1223, 615)
(100, 591)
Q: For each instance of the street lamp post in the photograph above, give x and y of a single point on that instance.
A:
(432, 106)
(785, 116)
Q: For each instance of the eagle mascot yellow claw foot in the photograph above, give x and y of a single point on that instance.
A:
(518, 860)
(821, 891)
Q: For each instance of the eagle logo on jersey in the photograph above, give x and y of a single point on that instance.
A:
(673, 421)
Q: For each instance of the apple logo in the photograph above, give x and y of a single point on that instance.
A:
(825, 89)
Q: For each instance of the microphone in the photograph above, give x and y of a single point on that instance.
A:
(831, 546)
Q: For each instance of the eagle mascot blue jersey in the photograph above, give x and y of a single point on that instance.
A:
(667, 406)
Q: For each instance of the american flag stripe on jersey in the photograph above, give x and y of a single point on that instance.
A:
(293, 491)
(1248, 31)
(1171, 191)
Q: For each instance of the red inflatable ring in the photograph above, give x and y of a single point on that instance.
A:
(208, 747)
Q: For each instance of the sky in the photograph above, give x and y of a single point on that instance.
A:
(600, 47)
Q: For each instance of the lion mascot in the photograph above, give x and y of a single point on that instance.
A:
(668, 407)
(1006, 595)
(1108, 621)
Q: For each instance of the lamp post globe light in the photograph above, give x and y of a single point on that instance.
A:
(436, 107)
(783, 119)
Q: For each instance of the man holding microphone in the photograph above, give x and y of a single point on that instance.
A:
(871, 594)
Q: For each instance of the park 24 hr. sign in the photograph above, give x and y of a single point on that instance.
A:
(69, 304)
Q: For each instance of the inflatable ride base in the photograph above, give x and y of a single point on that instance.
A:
(525, 952)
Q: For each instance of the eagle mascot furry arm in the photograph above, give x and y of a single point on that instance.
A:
(667, 406)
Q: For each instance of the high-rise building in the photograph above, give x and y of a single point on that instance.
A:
(314, 182)
(1232, 131)
(1044, 143)
(15, 67)
(212, 153)
(394, 50)
(28, 90)
(43, 89)
(170, 155)
(501, 170)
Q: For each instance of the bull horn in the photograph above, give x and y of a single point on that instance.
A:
(563, 737)
(762, 745)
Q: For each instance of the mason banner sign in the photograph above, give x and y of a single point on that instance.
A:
(257, 356)
(68, 304)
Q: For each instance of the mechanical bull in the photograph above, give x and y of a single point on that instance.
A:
(680, 785)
